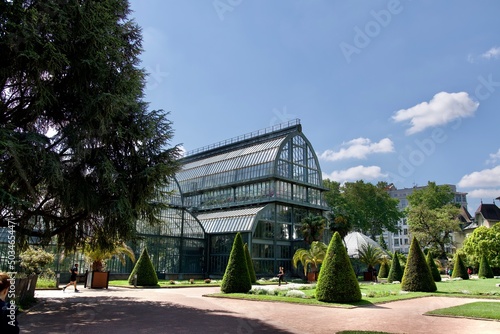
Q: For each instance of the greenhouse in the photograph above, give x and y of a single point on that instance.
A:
(261, 184)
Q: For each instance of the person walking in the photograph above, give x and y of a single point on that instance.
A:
(72, 279)
(281, 275)
(8, 311)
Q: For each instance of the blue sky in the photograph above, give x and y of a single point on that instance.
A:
(398, 91)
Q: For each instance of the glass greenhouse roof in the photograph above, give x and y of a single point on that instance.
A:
(232, 160)
(240, 220)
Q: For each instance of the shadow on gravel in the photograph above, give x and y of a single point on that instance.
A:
(127, 315)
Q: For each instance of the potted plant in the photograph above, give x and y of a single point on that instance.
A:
(310, 258)
(98, 277)
(371, 256)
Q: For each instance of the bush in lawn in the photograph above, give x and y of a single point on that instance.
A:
(251, 270)
(433, 267)
(337, 281)
(236, 277)
(417, 275)
(146, 273)
(459, 269)
(384, 270)
(485, 270)
(396, 272)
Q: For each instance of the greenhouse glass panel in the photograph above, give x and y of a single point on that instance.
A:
(264, 230)
(264, 267)
(193, 256)
(262, 250)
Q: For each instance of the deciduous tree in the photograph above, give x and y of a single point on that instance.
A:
(485, 241)
(432, 217)
(364, 206)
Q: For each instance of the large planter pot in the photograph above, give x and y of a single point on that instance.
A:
(25, 288)
(97, 279)
(367, 276)
(312, 277)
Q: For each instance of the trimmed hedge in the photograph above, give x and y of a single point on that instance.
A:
(251, 270)
(417, 275)
(384, 270)
(146, 273)
(485, 270)
(433, 267)
(459, 269)
(236, 277)
(396, 272)
(337, 282)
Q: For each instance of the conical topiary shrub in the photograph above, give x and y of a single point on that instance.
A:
(433, 267)
(396, 272)
(337, 282)
(251, 270)
(146, 274)
(236, 277)
(417, 275)
(384, 270)
(485, 270)
(459, 269)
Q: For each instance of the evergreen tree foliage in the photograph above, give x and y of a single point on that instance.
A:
(146, 273)
(433, 267)
(82, 156)
(459, 269)
(236, 277)
(251, 270)
(485, 270)
(396, 272)
(337, 282)
(384, 270)
(417, 275)
(381, 242)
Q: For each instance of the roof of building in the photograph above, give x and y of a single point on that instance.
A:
(489, 211)
(355, 241)
(465, 216)
(240, 220)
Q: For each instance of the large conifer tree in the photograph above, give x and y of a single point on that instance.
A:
(81, 155)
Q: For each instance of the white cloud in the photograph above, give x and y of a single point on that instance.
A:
(492, 53)
(356, 173)
(442, 109)
(485, 178)
(358, 148)
(494, 157)
(485, 194)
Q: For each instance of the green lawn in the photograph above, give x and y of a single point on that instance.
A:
(381, 293)
(170, 283)
(477, 310)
